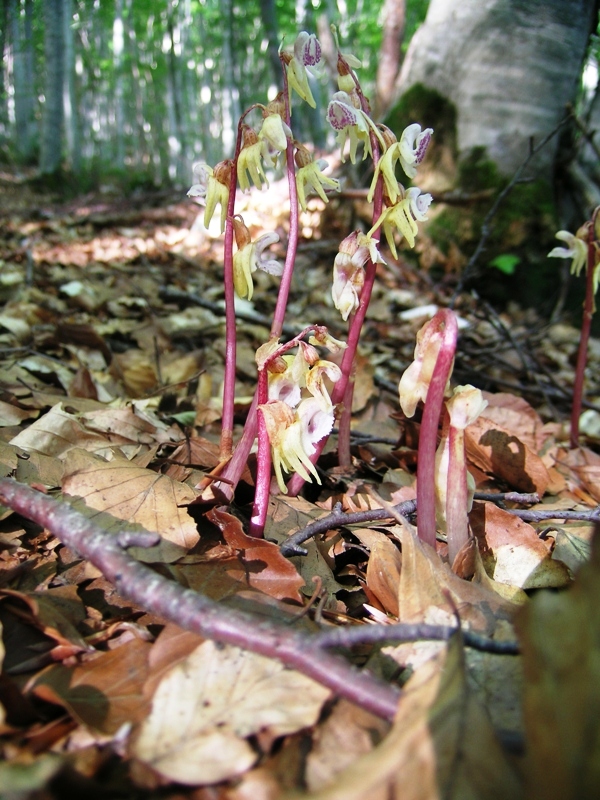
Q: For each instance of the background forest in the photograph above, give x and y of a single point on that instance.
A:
(138, 91)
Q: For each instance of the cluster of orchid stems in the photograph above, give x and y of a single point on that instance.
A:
(583, 248)
(294, 409)
(444, 486)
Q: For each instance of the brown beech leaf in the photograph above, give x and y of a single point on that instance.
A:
(135, 495)
(348, 733)
(383, 572)
(261, 564)
(514, 414)
(55, 612)
(57, 432)
(204, 708)
(514, 552)
(104, 692)
(501, 453)
(425, 581)
(559, 635)
(441, 747)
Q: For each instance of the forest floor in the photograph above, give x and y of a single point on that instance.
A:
(111, 361)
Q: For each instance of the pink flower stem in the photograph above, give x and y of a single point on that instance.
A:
(445, 319)
(263, 468)
(343, 389)
(292, 248)
(226, 445)
(263, 463)
(586, 327)
(457, 518)
(234, 469)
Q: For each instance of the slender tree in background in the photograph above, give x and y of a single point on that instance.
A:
(52, 114)
(19, 18)
(394, 18)
(268, 14)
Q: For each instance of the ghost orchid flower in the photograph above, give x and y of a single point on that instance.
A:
(250, 160)
(310, 176)
(213, 187)
(576, 250)
(351, 124)
(348, 271)
(412, 146)
(304, 62)
(250, 257)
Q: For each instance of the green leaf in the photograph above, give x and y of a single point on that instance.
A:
(506, 263)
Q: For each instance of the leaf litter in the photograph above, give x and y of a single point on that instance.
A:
(110, 376)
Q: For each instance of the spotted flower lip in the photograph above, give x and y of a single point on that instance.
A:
(305, 61)
(293, 434)
(351, 123)
(413, 144)
(576, 250)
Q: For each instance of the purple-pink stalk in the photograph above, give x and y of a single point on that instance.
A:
(233, 471)
(586, 327)
(457, 496)
(445, 320)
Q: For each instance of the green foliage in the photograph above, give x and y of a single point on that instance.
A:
(506, 263)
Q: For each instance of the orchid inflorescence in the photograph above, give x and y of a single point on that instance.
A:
(295, 408)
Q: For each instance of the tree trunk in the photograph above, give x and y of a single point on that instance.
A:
(268, 15)
(508, 66)
(52, 115)
(23, 81)
(394, 18)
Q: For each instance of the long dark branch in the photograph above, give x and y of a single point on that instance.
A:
(194, 612)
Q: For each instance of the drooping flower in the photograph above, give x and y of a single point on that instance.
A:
(304, 62)
(345, 79)
(293, 435)
(576, 250)
(213, 187)
(287, 378)
(414, 383)
(249, 257)
(412, 146)
(315, 381)
(352, 124)
(310, 176)
(403, 217)
(250, 160)
(274, 130)
(386, 166)
(348, 271)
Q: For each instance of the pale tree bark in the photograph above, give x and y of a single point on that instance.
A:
(20, 25)
(394, 19)
(71, 111)
(52, 114)
(509, 67)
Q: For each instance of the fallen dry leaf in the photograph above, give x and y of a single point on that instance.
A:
(514, 552)
(560, 641)
(261, 562)
(208, 703)
(138, 495)
(441, 746)
(499, 452)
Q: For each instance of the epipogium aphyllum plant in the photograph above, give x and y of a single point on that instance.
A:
(583, 249)
(293, 410)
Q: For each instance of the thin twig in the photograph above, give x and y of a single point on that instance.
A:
(194, 612)
(350, 636)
